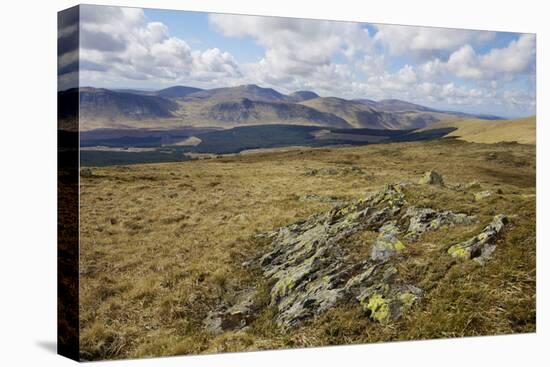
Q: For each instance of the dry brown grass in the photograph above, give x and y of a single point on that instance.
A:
(163, 244)
(482, 131)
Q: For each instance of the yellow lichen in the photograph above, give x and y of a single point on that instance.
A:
(399, 246)
(459, 251)
(378, 307)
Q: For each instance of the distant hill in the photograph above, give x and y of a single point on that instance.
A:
(357, 114)
(483, 131)
(361, 115)
(178, 91)
(107, 105)
(249, 91)
(395, 105)
(303, 95)
(181, 106)
(257, 112)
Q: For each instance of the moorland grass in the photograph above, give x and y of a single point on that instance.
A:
(163, 244)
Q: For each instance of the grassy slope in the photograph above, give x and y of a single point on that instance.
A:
(162, 244)
(483, 131)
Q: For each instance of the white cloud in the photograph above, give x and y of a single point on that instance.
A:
(465, 63)
(122, 42)
(502, 63)
(515, 58)
(295, 49)
(400, 39)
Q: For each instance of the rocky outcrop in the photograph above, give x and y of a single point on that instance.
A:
(311, 270)
(307, 263)
(482, 245)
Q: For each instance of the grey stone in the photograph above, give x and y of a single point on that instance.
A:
(427, 219)
(431, 178)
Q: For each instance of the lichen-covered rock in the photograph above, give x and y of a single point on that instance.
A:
(425, 219)
(431, 178)
(483, 244)
(307, 263)
(387, 244)
(382, 294)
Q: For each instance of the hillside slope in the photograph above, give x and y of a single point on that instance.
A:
(482, 131)
(107, 105)
(258, 112)
(362, 115)
(183, 106)
(250, 91)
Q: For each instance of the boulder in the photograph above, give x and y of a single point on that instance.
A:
(431, 178)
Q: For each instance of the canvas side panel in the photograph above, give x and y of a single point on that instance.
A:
(67, 183)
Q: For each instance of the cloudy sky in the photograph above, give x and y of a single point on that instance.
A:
(472, 71)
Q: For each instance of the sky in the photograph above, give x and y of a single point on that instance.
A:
(463, 70)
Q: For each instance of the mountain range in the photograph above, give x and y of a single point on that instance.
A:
(180, 106)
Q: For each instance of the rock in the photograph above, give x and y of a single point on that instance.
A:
(481, 245)
(381, 293)
(86, 172)
(233, 317)
(385, 304)
(308, 265)
(425, 219)
(431, 178)
(312, 271)
(482, 195)
(387, 244)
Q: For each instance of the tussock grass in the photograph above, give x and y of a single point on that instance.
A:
(163, 244)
